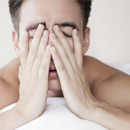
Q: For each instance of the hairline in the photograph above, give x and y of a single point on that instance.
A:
(19, 10)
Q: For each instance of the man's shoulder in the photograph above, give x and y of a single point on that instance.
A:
(9, 72)
(96, 70)
(96, 66)
(9, 83)
(90, 68)
(92, 65)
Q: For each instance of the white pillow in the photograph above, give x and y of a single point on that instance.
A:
(57, 116)
(122, 67)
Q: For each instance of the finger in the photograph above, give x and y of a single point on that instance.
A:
(24, 48)
(62, 53)
(62, 72)
(40, 53)
(34, 46)
(44, 68)
(66, 46)
(77, 48)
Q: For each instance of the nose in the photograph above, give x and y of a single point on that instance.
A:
(49, 26)
(50, 43)
(50, 30)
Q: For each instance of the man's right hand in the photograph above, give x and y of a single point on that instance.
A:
(33, 74)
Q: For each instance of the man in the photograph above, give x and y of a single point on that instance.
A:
(51, 39)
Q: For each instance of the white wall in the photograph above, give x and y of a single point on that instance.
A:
(6, 27)
(110, 31)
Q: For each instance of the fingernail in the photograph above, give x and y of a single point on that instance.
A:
(57, 28)
(75, 31)
(39, 26)
(45, 33)
(48, 47)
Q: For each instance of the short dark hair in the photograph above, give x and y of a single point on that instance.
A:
(15, 6)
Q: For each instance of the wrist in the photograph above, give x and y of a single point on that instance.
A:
(92, 111)
(22, 115)
(25, 112)
(100, 114)
(13, 118)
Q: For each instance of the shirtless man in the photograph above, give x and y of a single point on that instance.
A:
(52, 35)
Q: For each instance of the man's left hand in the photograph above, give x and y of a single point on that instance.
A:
(69, 65)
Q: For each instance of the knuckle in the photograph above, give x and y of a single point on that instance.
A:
(43, 41)
(66, 56)
(43, 66)
(37, 34)
(39, 56)
(71, 51)
(28, 70)
(62, 68)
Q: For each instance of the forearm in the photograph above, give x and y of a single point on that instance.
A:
(112, 118)
(12, 119)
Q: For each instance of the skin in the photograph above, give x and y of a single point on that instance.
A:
(83, 81)
(50, 20)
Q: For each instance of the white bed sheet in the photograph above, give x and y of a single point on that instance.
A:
(57, 115)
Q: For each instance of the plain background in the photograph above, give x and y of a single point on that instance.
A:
(110, 32)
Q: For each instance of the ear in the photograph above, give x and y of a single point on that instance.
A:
(15, 42)
(86, 42)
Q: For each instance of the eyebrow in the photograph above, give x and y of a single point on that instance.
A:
(65, 24)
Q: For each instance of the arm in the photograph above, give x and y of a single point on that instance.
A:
(33, 89)
(111, 118)
(76, 85)
(114, 91)
(12, 119)
(113, 88)
(9, 83)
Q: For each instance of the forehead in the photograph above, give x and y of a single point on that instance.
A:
(50, 12)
